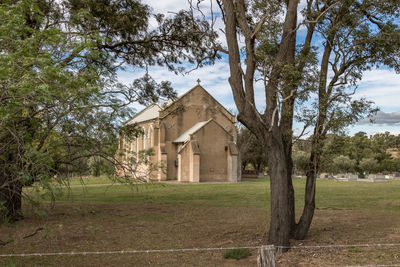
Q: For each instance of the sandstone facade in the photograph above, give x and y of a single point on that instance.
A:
(193, 137)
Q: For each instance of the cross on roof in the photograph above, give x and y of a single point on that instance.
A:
(198, 81)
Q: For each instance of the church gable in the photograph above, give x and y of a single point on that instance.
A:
(195, 106)
(197, 95)
(194, 120)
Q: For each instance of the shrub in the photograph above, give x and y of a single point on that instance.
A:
(237, 253)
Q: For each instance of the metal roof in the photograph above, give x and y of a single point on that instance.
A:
(185, 136)
(149, 113)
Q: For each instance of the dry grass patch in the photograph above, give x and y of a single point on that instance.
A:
(201, 216)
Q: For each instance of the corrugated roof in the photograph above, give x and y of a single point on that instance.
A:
(185, 136)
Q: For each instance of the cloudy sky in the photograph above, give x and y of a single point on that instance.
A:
(379, 85)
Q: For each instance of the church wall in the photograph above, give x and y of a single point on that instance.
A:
(213, 141)
(194, 107)
(185, 163)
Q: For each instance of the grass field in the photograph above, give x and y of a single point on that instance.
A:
(166, 216)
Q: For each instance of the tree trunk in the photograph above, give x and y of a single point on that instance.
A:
(304, 224)
(10, 199)
(279, 230)
(287, 138)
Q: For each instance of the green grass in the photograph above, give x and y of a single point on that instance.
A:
(331, 194)
(354, 249)
(84, 180)
(91, 180)
(237, 253)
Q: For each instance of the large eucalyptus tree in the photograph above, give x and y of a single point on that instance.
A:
(312, 54)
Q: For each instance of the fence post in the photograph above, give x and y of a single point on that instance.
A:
(266, 256)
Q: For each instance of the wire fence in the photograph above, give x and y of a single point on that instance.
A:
(124, 251)
(200, 249)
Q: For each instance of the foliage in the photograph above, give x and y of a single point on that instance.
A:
(98, 166)
(250, 150)
(365, 154)
(60, 101)
(343, 164)
(237, 253)
(315, 75)
(300, 161)
(368, 165)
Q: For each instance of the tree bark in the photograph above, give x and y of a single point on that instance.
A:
(10, 199)
(279, 230)
(266, 126)
(304, 224)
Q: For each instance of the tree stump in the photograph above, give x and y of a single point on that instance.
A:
(266, 256)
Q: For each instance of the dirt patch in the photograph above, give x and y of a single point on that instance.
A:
(111, 227)
(137, 226)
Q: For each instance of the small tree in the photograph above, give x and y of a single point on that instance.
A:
(300, 161)
(368, 165)
(343, 163)
(250, 150)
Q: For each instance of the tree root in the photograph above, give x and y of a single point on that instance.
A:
(2, 243)
(34, 233)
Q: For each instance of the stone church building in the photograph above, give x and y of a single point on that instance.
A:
(194, 137)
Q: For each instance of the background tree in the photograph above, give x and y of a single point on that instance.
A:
(343, 164)
(368, 165)
(370, 154)
(250, 150)
(300, 161)
(60, 101)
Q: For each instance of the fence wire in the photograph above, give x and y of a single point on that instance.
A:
(197, 249)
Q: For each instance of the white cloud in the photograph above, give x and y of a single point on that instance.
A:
(381, 86)
(213, 78)
(166, 6)
(388, 118)
(176, 5)
(372, 129)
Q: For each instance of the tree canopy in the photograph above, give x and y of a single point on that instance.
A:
(60, 100)
(317, 62)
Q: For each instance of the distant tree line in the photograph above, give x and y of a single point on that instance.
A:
(360, 153)
(357, 154)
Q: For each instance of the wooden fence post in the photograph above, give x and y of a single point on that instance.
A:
(266, 256)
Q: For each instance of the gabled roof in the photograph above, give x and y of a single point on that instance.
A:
(149, 113)
(183, 138)
(152, 112)
(188, 92)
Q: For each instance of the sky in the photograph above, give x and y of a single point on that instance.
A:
(382, 86)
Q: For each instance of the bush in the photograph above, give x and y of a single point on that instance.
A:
(237, 253)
